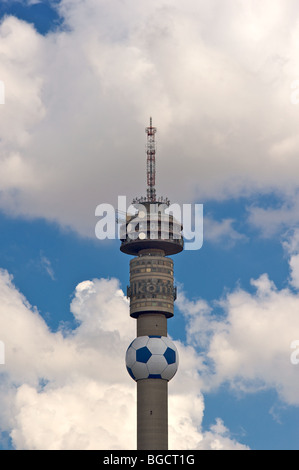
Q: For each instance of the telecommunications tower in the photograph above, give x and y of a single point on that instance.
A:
(151, 235)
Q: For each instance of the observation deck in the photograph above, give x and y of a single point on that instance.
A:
(151, 228)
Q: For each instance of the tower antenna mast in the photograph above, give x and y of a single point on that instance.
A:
(151, 162)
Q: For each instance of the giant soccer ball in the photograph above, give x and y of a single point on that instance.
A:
(152, 357)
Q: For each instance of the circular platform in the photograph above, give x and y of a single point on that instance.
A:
(169, 247)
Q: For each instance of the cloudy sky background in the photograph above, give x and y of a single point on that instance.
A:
(219, 78)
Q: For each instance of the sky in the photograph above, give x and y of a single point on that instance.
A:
(79, 81)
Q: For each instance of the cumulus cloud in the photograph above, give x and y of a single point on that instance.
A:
(291, 245)
(248, 345)
(275, 219)
(59, 381)
(215, 77)
(70, 390)
(218, 438)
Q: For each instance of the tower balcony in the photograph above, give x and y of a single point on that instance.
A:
(151, 229)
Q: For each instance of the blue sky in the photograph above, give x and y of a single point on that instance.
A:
(81, 80)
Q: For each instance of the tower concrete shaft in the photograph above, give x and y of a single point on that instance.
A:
(151, 235)
(152, 414)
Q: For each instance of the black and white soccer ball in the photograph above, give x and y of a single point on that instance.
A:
(152, 357)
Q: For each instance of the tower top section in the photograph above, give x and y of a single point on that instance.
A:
(151, 227)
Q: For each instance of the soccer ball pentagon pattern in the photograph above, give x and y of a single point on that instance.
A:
(152, 357)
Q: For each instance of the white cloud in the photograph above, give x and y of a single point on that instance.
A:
(59, 381)
(47, 266)
(83, 414)
(215, 77)
(292, 247)
(222, 231)
(249, 345)
(218, 438)
(276, 219)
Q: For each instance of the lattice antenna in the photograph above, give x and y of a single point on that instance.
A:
(151, 162)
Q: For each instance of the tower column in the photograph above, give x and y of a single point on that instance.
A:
(152, 325)
(152, 414)
(152, 394)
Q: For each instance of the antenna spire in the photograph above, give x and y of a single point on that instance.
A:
(151, 162)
